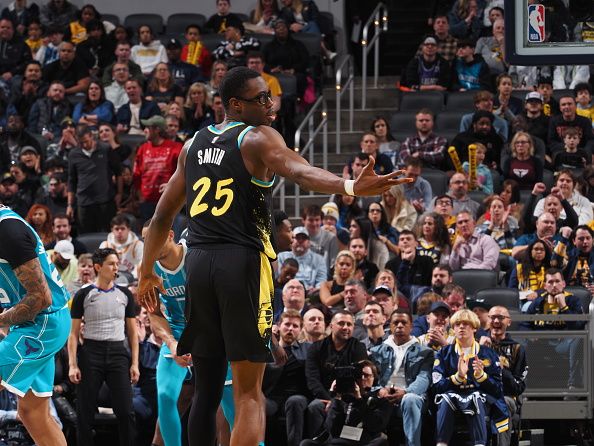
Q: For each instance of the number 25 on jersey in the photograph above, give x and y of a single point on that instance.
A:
(223, 195)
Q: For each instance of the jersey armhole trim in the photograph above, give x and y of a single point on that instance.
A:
(242, 134)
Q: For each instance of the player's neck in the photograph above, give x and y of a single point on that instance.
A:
(173, 258)
(103, 283)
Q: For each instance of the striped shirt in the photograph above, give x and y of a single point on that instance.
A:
(104, 311)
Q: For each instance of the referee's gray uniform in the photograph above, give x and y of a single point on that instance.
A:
(104, 358)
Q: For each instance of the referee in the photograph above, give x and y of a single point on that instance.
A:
(108, 312)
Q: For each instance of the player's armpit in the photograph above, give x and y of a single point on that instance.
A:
(38, 296)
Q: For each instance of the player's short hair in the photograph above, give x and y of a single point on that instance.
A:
(234, 83)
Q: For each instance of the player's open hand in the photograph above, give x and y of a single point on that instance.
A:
(149, 287)
(369, 183)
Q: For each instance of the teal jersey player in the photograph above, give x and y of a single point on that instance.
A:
(34, 300)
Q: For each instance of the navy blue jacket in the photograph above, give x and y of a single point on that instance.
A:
(147, 110)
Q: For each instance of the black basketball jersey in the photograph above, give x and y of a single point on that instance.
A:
(225, 204)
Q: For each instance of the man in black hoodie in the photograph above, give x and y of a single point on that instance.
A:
(470, 70)
(514, 368)
(14, 52)
(482, 131)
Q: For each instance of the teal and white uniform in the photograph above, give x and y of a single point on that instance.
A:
(170, 376)
(27, 353)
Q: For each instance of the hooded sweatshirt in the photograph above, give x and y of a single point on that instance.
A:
(148, 56)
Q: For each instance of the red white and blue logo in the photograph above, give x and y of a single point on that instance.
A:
(536, 23)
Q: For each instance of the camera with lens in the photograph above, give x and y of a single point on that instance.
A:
(346, 377)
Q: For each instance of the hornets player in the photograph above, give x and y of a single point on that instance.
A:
(168, 322)
(226, 173)
(34, 300)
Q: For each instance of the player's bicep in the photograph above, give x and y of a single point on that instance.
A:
(271, 149)
(31, 277)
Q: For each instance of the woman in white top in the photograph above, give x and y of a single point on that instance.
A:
(582, 206)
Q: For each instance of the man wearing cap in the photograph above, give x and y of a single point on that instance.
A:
(532, 119)
(68, 69)
(63, 257)
(148, 53)
(312, 267)
(122, 55)
(130, 114)
(481, 130)
(60, 150)
(514, 367)
(439, 333)
(382, 294)
(470, 71)
(46, 115)
(155, 162)
(91, 169)
(9, 195)
(428, 70)
(404, 368)
(13, 139)
(330, 224)
(184, 74)
(322, 242)
(481, 308)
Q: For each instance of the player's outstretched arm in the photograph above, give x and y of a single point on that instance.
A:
(266, 148)
(169, 205)
(37, 299)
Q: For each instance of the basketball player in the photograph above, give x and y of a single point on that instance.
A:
(226, 173)
(34, 300)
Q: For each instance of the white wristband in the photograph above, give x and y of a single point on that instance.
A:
(349, 187)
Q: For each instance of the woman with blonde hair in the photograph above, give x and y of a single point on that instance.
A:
(401, 214)
(197, 107)
(523, 161)
(262, 18)
(332, 291)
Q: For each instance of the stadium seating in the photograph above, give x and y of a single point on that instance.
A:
(473, 280)
(460, 101)
(176, 23)
(155, 21)
(432, 100)
(448, 120)
(583, 294)
(92, 240)
(505, 297)
(438, 180)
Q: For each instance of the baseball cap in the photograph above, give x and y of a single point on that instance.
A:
(300, 230)
(330, 209)
(382, 289)
(7, 177)
(478, 303)
(440, 305)
(173, 43)
(154, 121)
(534, 96)
(26, 149)
(67, 121)
(429, 40)
(65, 249)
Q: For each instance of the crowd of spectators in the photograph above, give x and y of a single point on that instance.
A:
(379, 342)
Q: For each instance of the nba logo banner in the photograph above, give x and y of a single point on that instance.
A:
(536, 23)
